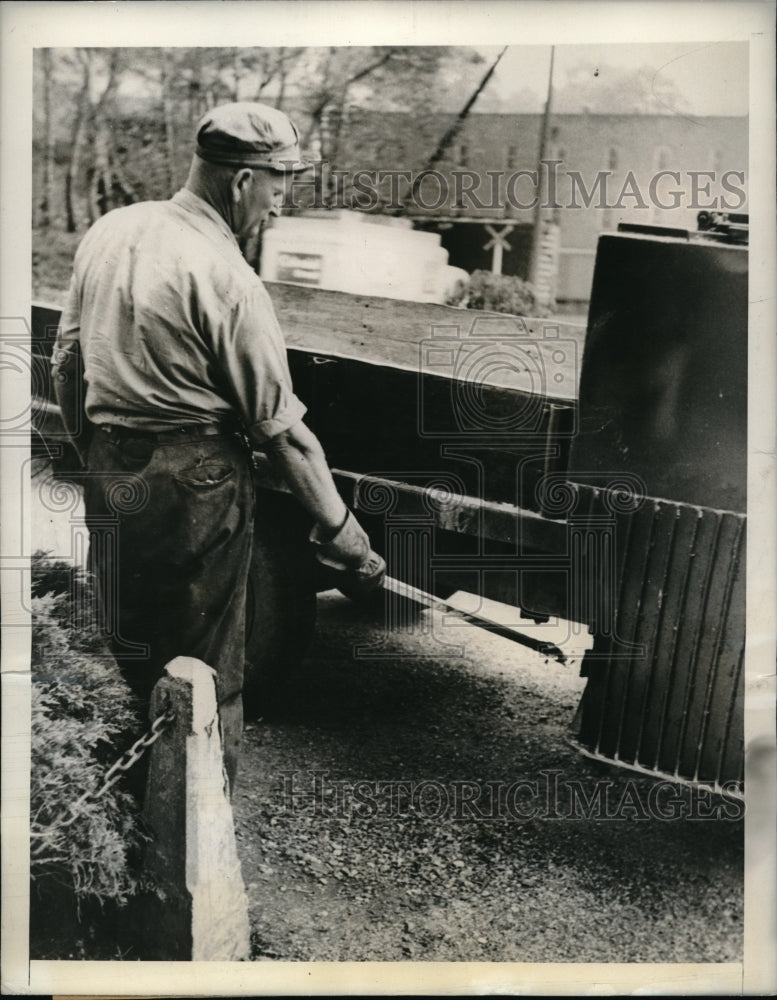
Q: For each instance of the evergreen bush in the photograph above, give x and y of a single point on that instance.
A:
(501, 293)
(83, 718)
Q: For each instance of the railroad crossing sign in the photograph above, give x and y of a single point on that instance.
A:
(498, 243)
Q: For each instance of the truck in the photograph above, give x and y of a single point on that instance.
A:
(592, 475)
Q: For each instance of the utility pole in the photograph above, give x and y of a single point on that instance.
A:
(536, 241)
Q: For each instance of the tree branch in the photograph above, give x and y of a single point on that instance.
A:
(454, 130)
(369, 69)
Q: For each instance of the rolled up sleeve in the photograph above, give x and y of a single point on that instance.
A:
(69, 329)
(251, 353)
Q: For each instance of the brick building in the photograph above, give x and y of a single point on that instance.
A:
(600, 170)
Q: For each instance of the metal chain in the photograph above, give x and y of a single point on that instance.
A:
(112, 775)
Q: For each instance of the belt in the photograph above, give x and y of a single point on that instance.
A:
(119, 434)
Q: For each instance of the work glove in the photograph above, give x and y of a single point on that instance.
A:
(359, 570)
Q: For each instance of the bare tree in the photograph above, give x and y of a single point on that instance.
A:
(285, 61)
(94, 166)
(77, 142)
(168, 114)
(335, 83)
(146, 127)
(47, 203)
(108, 186)
(338, 71)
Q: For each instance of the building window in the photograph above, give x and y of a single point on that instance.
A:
(612, 158)
(663, 158)
(463, 156)
(512, 157)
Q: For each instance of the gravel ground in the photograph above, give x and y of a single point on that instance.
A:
(336, 879)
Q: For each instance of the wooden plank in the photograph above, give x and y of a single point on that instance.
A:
(437, 340)
(491, 350)
(667, 675)
(644, 690)
(395, 333)
(725, 634)
(603, 717)
(687, 671)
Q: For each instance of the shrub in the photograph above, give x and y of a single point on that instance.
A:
(502, 293)
(83, 717)
(74, 611)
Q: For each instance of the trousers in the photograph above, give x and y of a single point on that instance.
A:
(170, 528)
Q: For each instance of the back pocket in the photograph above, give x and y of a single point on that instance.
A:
(205, 477)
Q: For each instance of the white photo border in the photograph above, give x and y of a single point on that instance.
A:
(26, 26)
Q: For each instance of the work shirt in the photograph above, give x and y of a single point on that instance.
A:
(175, 327)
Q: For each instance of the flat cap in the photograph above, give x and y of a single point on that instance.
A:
(247, 134)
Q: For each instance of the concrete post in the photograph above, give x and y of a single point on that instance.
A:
(200, 911)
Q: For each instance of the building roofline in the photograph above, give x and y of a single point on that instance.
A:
(558, 114)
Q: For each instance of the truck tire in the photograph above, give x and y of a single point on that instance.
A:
(280, 604)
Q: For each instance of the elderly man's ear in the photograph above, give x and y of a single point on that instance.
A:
(241, 184)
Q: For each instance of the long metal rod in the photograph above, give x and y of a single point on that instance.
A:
(427, 600)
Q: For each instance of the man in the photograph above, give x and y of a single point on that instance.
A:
(175, 340)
